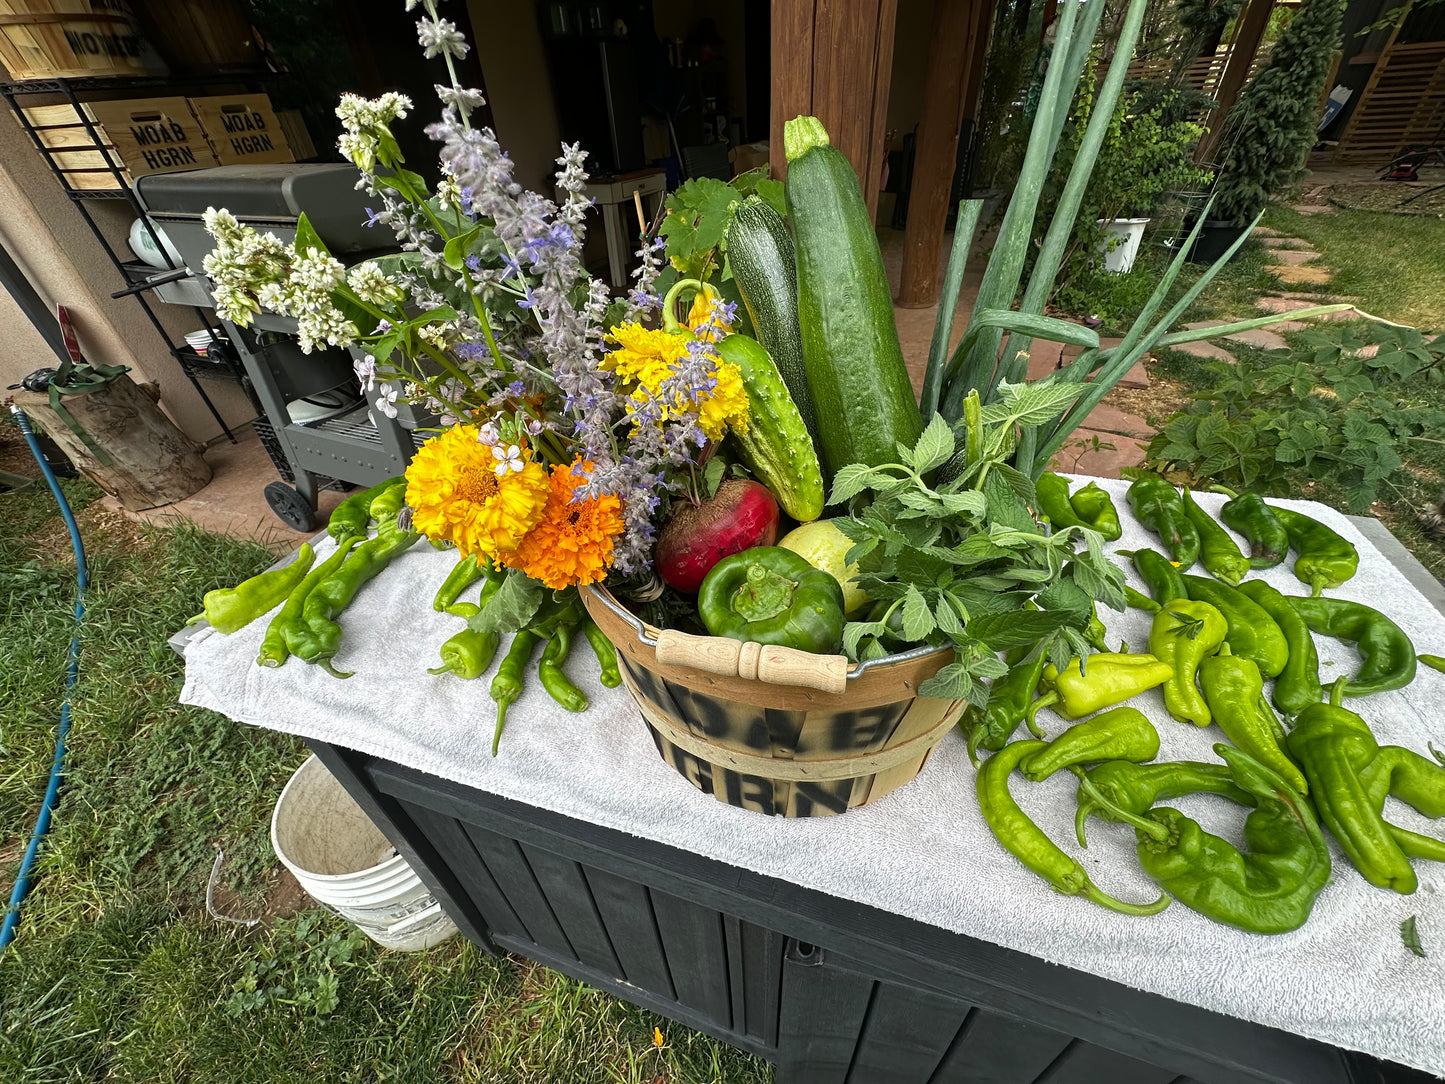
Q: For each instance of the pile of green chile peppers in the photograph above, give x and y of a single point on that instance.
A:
(1269, 888)
(1023, 839)
(1090, 507)
(1158, 506)
(1250, 516)
(1217, 550)
(1323, 557)
(320, 640)
(285, 633)
(1416, 781)
(1135, 788)
(1334, 747)
(1387, 657)
(233, 608)
(1252, 632)
(469, 653)
(351, 517)
(467, 571)
(1110, 678)
(1183, 634)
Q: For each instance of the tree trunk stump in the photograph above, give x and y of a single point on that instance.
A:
(152, 462)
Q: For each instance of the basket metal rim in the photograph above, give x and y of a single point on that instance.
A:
(857, 669)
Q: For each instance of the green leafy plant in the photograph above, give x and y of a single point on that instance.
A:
(698, 214)
(959, 560)
(1334, 409)
(299, 966)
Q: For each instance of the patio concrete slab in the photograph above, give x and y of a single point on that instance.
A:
(1107, 418)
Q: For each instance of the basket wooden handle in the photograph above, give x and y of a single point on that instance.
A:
(753, 662)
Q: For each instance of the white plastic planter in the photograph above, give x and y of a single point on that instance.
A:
(1121, 242)
(347, 866)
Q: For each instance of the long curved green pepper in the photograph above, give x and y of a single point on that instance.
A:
(1323, 557)
(1252, 632)
(1134, 788)
(1121, 734)
(1184, 634)
(1217, 551)
(991, 726)
(1023, 839)
(1434, 662)
(507, 684)
(351, 517)
(1250, 516)
(466, 572)
(1157, 506)
(1164, 581)
(321, 638)
(229, 609)
(286, 626)
(1297, 686)
(1140, 601)
(1387, 657)
(606, 653)
(388, 502)
(557, 684)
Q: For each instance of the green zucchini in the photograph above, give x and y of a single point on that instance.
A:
(760, 252)
(776, 446)
(862, 396)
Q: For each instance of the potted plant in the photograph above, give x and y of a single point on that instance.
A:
(1272, 128)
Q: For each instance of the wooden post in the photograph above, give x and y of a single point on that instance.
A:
(833, 59)
(151, 462)
(953, 63)
(1251, 26)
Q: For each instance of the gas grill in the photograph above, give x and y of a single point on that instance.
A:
(313, 405)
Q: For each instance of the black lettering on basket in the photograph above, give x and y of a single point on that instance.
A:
(830, 797)
(748, 791)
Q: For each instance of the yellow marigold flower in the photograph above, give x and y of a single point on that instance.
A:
(455, 493)
(646, 358)
(573, 542)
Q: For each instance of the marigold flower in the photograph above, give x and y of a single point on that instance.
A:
(647, 358)
(456, 493)
(573, 542)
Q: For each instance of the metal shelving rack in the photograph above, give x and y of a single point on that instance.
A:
(137, 282)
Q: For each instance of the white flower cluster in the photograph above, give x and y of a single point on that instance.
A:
(306, 295)
(438, 36)
(374, 286)
(365, 122)
(243, 263)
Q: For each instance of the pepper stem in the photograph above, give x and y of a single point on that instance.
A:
(1153, 829)
(1337, 692)
(329, 667)
(1044, 701)
(1103, 899)
(1081, 815)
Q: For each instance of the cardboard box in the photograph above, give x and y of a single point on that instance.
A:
(242, 129)
(153, 135)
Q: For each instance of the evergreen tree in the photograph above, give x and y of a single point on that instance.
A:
(1272, 126)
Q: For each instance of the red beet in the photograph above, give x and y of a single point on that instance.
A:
(741, 515)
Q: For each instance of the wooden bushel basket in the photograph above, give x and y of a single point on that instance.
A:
(776, 730)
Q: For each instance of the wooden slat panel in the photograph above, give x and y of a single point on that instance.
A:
(514, 877)
(1083, 1063)
(761, 983)
(626, 910)
(692, 937)
(1403, 104)
(824, 1009)
(457, 850)
(567, 891)
(908, 1033)
(994, 1049)
(792, 73)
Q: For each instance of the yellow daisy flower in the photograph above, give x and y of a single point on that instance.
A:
(458, 490)
(646, 358)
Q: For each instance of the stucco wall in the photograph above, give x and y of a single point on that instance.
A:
(509, 49)
(46, 235)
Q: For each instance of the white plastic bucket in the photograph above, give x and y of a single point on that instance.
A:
(347, 866)
(1121, 242)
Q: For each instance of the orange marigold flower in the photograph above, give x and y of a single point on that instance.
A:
(573, 542)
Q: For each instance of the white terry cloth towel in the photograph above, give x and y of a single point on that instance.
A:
(923, 852)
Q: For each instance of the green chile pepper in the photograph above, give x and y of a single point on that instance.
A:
(1334, 747)
(1250, 516)
(770, 595)
(1157, 506)
(549, 671)
(468, 654)
(1052, 494)
(606, 653)
(1135, 788)
(1164, 581)
(1009, 698)
(507, 683)
(1323, 557)
(1234, 690)
(1434, 662)
(1416, 781)
(1111, 679)
(1095, 507)
(1183, 634)
(350, 518)
(232, 608)
(1023, 839)
(492, 577)
(288, 626)
(386, 504)
(1120, 734)
(1297, 686)
(1271, 888)
(1094, 631)
(1252, 632)
(1387, 657)
(1140, 601)
(321, 638)
(466, 572)
(1217, 551)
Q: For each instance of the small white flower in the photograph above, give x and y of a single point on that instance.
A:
(387, 400)
(488, 433)
(439, 36)
(366, 372)
(532, 426)
(509, 459)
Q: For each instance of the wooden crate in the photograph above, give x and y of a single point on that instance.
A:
(154, 135)
(242, 129)
(84, 164)
(45, 39)
(201, 34)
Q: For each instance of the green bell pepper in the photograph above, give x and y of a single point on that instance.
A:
(769, 595)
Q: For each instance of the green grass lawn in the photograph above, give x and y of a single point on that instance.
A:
(118, 974)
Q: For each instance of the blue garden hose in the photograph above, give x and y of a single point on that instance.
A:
(57, 765)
